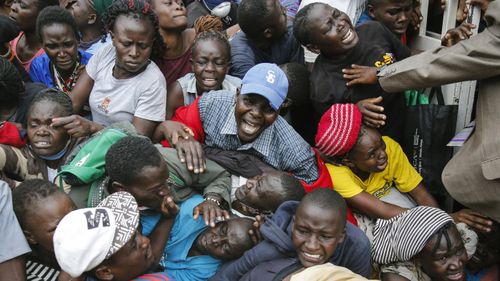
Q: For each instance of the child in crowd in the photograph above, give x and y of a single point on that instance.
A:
(194, 251)
(103, 243)
(421, 244)
(328, 31)
(60, 65)
(394, 14)
(210, 59)
(27, 46)
(247, 122)
(12, 261)
(120, 83)
(88, 15)
(174, 62)
(151, 172)
(370, 171)
(266, 37)
(303, 234)
(49, 145)
(15, 96)
(39, 206)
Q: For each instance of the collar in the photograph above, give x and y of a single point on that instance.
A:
(263, 142)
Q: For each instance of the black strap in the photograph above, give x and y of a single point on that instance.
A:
(439, 95)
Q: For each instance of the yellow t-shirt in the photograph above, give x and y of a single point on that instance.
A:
(398, 173)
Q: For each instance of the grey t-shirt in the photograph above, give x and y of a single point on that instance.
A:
(113, 100)
(10, 230)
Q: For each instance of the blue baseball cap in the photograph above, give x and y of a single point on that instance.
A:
(267, 80)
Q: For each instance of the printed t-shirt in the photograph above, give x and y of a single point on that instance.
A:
(113, 100)
(399, 173)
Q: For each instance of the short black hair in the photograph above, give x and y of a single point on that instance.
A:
(27, 194)
(55, 15)
(41, 4)
(212, 35)
(327, 199)
(8, 29)
(127, 157)
(292, 189)
(250, 17)
(138, 9)
(298, 79)
(55, 96)
(11, 84)
(301, 29)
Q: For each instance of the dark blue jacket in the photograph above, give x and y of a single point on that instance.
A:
(353, 253)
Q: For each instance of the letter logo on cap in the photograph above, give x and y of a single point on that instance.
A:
(270, 77)
(93, 222)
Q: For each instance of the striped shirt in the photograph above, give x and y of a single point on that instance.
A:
(278, 145)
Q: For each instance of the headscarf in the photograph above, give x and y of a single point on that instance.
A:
(402, 237)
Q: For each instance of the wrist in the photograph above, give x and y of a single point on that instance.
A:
(214, 198)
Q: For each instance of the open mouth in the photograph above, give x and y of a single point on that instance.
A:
(249, 128)
(456, 276)
(209, 82)
(41, 144)
(312, 258)
(348, 36)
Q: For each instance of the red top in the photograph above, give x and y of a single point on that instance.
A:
(175, 68)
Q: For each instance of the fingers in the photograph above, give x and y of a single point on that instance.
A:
(196, 212)
(62, 121)
(209, 215)
(473, 219)
(225, 214)
(168, 207)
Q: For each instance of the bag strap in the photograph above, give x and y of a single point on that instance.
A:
(439, 95)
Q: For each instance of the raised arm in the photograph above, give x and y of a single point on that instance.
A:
(371, 206)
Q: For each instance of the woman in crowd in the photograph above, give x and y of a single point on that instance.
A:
(61, 64)
(27, 46)
(120, 82)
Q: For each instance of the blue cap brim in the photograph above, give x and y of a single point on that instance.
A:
(271, 95)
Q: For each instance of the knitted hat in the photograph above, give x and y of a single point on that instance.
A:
(338, 129)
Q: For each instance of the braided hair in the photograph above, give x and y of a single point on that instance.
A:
(208, 22)
(55, 96)
(212, 35)
(138, 9)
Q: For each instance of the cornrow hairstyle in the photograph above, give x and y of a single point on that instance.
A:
(54, 96)
(27, 194)
(250, 13)
(11, 83)
(212, 35)
(55, 15)
(301, 23)
(207, 22)
(442, 232)
(41, 4)
(127, 157)
(138, 9)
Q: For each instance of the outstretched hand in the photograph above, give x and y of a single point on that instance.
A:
(210, 211)
(190, 152)
(373, 115)
(172, 131)
(473, 219)
(360, 74)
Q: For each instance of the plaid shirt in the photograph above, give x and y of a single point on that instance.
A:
(278, 145)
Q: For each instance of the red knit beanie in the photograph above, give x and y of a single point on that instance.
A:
(338, 129)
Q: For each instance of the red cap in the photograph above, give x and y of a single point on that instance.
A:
(338, 129)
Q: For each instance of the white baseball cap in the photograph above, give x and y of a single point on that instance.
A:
(86, 237)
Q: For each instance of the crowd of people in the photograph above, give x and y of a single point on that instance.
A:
(239, 140)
